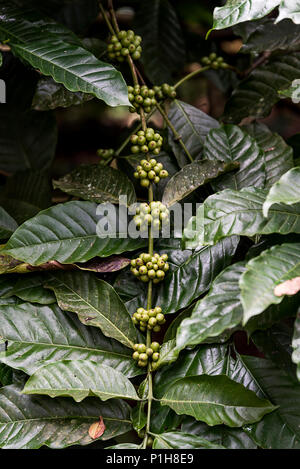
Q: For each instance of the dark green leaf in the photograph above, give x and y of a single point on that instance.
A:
(55, 55)
(29, 422)
(230, 438)
(80, 379)
(278, 155)
(191, 177)
(232, 212)
(39, 335)
(216, 400)
(50, 95)
(163, 44)
(257, 94)
(30, 288)
(192, 125)
(272, 36)
(7, 224)
(67, 233)
(219, 310)
(98, 184)
(205, 359)
(280, 429)
(96, 303)
(229, 143)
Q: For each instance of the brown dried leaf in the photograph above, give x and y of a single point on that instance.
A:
(97, 429)
(289, 287)
(110, 264)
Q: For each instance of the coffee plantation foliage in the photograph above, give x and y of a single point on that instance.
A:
(190, 340)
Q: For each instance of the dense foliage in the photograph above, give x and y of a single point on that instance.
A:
(104, 335)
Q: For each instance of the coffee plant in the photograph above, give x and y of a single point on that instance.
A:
(184, 331)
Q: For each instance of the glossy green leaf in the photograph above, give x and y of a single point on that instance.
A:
(27, 139)
(29, 422)
(219, 310)
(179, 440)
(192, 125)
(168, 353)
(30, 288)
(163, 43)
(58, 57)
(96, 303)
(191, 177)
(278, 155)
(163, 419)
(98, 184)
(80, 379)
(204, 359)
(289, 9)
(190, 275)
(6, 375)
(263, 273)
(50, 95)
(285, 191)
(40, 335)
(7, 224)
(256, 95)
(67, 233)
(272, 36)
(280, 429)
(216, 400)
(238, 11)
(232, 212)
(229, 143)
(230, 438)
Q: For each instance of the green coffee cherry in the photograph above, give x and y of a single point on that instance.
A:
(214, 61)
(147, 268)
(153, 215)
(146, 141)
(106, 153)
(141, 97)
(164, 91)
(149, 319)
(150, 171)
(123, 44)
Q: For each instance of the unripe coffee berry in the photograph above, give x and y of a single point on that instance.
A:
(124, 44)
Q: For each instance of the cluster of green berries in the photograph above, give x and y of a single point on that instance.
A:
(151, 215)
(123, 44)
(141, 97)
(214, 61)
(165, 91)
(142, 354)
(146, 141)
(106, 153)
(150, 171)
(151, 319)
(147, 267)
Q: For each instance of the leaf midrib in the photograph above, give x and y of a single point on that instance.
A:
(97, 311)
